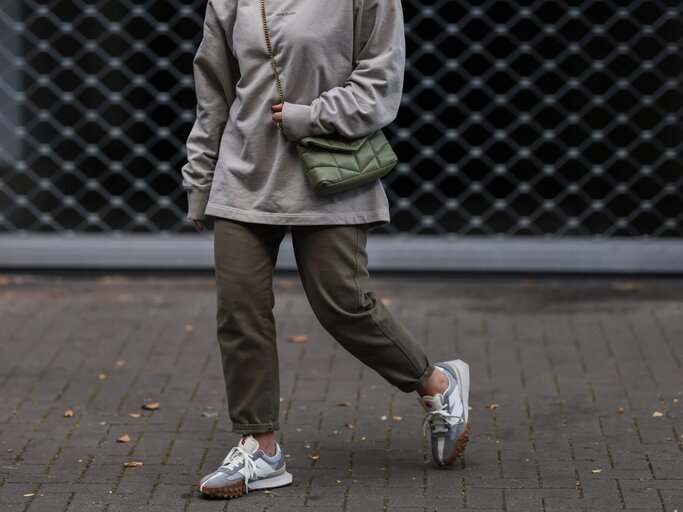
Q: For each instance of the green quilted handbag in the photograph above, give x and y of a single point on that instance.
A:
(335, 163)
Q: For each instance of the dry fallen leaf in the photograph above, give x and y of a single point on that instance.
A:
(133, 464)
(397, 418)
(491, 406)
(350, 426)
(68, 413)
(627, 286)
(102, 376)
(121, 362)
(596, 471)
(267, 492)
(7, 280)
(314, 457)
(383, 418)
(125, 438)
(135, 414)
(297, 338)
(657, 414)
(675, 400)
(620, 410)
(152, 406)
(343, 404)
(189, 328)
(113, 279)
(28, 495)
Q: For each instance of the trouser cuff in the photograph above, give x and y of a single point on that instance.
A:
(255, 428)
(413, 386)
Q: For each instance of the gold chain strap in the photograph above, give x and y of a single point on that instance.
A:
(270, 52)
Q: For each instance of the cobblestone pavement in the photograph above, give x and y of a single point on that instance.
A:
(576, 397)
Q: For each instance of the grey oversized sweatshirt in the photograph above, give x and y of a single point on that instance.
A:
(341, 65)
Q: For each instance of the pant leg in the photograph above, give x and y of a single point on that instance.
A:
(245, 256)
(332, 262)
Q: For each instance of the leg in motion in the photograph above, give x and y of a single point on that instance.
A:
(245, 256)
(332, 263)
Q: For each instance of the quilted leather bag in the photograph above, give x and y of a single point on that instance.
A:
(334, 163)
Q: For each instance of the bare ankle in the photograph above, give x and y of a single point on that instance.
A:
(266, 442)
(437, 383)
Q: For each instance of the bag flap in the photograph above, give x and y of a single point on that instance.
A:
(333, 142)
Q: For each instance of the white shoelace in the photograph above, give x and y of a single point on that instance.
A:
(440, 419)
(234, 457)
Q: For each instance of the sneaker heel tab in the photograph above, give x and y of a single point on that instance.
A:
(431, 402)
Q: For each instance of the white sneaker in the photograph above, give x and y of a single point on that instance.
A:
(246, 468)
(447, 414)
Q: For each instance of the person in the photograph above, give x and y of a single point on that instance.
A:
(341, 67)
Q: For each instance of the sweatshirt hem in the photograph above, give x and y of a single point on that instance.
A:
(372, 216)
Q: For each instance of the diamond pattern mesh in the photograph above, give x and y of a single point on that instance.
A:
(519, 118)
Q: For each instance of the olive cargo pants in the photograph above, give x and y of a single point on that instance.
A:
(332, 263)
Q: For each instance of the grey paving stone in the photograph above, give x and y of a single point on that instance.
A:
(576, 398)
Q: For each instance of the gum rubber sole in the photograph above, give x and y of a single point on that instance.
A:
(458, 448)
(460, 445)
(227, 491)
(238, 488)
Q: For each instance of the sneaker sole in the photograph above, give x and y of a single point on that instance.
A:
(459, 447)
(276, 481)
(238, 488)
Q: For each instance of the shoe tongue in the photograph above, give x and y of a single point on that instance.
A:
(431, 403)
(249, 444)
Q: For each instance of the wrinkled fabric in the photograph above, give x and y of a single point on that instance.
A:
(333, 266)
(341, 66)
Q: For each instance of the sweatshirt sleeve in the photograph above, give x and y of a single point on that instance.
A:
(216, 72)
(371, 96)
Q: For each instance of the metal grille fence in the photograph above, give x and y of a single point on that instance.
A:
(519, 118)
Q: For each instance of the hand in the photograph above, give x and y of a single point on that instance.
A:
(277, 116)
(199, 225)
